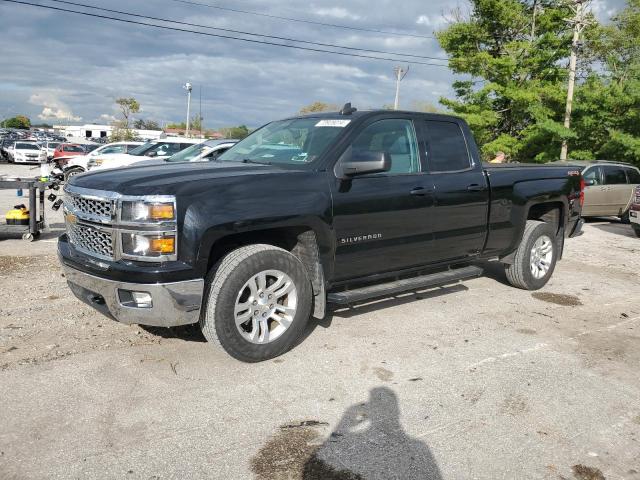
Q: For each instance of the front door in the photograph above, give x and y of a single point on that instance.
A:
(595, 193)
(382, 221)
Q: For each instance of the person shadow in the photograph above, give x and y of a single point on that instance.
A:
(369, 443)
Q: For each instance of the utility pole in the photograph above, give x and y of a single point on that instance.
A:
(400, 74)
(200, 115)
(579, 23)
(188, 87)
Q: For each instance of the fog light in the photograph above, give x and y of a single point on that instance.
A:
(142, 299)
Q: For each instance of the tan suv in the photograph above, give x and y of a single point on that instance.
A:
(609, 187)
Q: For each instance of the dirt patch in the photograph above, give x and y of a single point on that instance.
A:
(514, 405)
(582, 472)
(526, 331)
(383, 374)
(9, 265)
(292, 454)
(558, 299)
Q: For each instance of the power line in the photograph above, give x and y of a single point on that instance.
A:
(300, 20)
(287, 39)
(249, 40)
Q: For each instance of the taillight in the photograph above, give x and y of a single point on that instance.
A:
(582, 185)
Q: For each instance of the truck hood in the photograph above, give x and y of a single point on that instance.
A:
(170, 179)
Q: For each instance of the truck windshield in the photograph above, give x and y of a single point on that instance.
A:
(301, 140)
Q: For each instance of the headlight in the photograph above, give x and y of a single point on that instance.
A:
(149, 245)
(148, 212)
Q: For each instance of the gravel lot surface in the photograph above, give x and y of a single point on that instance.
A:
(478, 380)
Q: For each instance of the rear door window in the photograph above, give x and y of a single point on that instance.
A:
(633, 175)
(447, 147)
(614, 175)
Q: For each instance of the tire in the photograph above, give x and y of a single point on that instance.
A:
(624, 218)
(520, 273)
(226, 287)
(636, 229)
(72, 172)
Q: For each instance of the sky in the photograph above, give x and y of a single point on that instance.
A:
(63, 68)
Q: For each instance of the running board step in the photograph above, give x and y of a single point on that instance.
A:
(399, 286)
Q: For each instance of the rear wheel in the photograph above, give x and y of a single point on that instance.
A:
(624, 218)
(258, 302)
(535, 258)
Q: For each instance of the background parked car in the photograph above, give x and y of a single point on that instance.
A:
(78, 164)
(609, 187)
(634, 212)
(50, 148)
(156, 149)
(202, 152)
(5, 149)
(27, 152)
(65, 151)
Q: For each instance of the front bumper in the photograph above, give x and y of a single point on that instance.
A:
(172, 304)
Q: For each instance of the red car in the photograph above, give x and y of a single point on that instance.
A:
(65, 151)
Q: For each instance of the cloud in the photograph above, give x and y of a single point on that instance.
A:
(53, 107)
(430, 20)
(336, 12)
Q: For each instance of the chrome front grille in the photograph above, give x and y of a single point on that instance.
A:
(94, 208)
(91, 239)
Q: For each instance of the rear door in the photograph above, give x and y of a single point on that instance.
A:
(461, 192)
(618, 190)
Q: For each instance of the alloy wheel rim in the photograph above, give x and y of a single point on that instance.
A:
(541, 256)
(265, 306)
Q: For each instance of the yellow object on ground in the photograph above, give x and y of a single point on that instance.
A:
(18, 216)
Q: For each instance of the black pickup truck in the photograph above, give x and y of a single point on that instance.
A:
(327, 208)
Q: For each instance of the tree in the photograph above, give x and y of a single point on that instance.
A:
(235, 132)
(514, 55)
(316, 107)
(127, 107)
(19, 121)
(141, 124)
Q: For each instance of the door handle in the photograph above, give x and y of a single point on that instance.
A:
(419, 192)
(474, 187)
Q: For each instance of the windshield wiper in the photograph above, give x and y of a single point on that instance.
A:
(255, 162)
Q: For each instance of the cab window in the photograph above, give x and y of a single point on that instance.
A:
(447, 147)
(395, 137)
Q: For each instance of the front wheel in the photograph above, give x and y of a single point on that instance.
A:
(72, 173)
(535, 258)
(636, 229)
(258, 301)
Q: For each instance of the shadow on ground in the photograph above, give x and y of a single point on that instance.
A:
(368, 443)
(612, 226)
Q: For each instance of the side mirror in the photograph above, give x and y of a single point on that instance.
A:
(151, 154)
(360, 162)
(590, 182)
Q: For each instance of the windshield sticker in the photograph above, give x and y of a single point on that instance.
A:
(333, 123)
